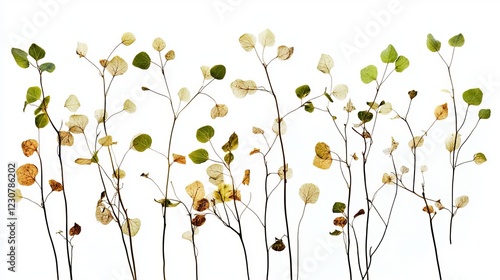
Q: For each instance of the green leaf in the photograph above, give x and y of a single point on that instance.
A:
(228, 158)
(484, 114)
(21, 57)
(457, 40)
(336, 232)
(473, 96)
(199, 156)
(95, 158)
(369, 74)
(328, 97)
(365, 116)
(36, 52)
(338, 207)
(432, 44)
(232, 143)
(142, 142)
(167, 203)
(205, 133)
(33, 94)
(401, 64)
(48, 66)
(142, 61)
(389, 55)
(218, 72)
(43, 105)
(309, 107)
(303, 91)
(41, 120)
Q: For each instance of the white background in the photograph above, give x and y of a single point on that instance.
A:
(206, 33)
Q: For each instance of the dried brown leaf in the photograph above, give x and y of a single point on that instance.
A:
(29, 147)
(26, 174)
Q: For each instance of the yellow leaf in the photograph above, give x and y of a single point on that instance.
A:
(196, 190)
(106, 141)
(416, 142)
(256, 130)
(159, 44)
(188, 235)
(128, 38)
(441, 112)
(388, 178)
(67, 138)
(83, 161)
(29, 147)
(461, 201)
(18, 195)
(322, 163)
(119, 174)
(184, 94)
(452, 143)
(246, 178)
(247, 41)
(309, 193)
(26, 174)
(129, 106)
(224, 193)
(131, 226)
(117, 66)
(170, 55)
(55, 186)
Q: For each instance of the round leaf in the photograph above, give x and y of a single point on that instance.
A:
(159, 44)
(369, 74)
(266, 38)
(142, 142)
(199, 156)
(26, 174)
(128, 38)
(129, 106)
(325, 63)
(41, 120)
(21, 57)
(338, 207)
(401, 64)
(117, 66)
(131, 227)
(36, 52)
(457, 40)
(72, 103)
(302, 91)
(432, 44)
(389, 55)
(142, 60)
(484, 114)
(247, 41)
(309, 193)
(473, 96)
(205, 133)
(461, 201)
(33, 94)
(218, 72)
(48, 66)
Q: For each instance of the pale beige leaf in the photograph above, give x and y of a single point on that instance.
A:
(325, 63)
(219, 111)
(132, 227)
(117, 66)
(452, 143)
(284, 52)
(247, 41)
(77, 123)
(18, 195)
(103, 214)
(388, 178)
(106, 141)
(349, 107)
(81, 49)
(205, 70)
(340, 91)
(441, 111)
(72, 103)
(256, 130)
(385, 109)
(416, 142)
(241, 88)
(99, 115)
(289, 172)
(196, 190)
(276, 127)
(26, 174)
(266, 38)
(159, 44)
(129, 106)
(309, 193)
(188, 235)
(128, 38)
(461, 201)
(215, 174)
(184, 94)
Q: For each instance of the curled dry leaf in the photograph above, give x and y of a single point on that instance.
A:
(103, 214)
(428, 209)
(359, 213)
(83, 161)
(388, 178)
(254, 151)
(439, 205)
(170, 55)
(119, 174)
(106, 141)
(75, 230)
(55, 186)
(81, 49)
(340, 221)
(246, 177)
(404, 169)
(309, 193)
(179, 158)
(201, 205)
(278, 245)
(131, 227)
(323, 158)
(224, 193)
(284, 52)
(26, 174)
(349, 107)
(29, 147)
(215, 174)
(219, 111)
(198, 220)
(66, 138)
(256, 130)
(441, 111)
